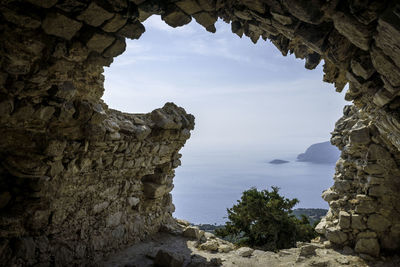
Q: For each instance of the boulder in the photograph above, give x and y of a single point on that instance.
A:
(225, 248)
(308, 250)
(192, 232)
(210, 245)
(245, 251)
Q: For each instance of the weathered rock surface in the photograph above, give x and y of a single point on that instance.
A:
(360, 207)
(168, 250)
(79, 180)
(245, 251)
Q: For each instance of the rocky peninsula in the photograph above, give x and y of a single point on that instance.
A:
(320, 153)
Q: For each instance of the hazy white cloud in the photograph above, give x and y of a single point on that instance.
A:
(135, 47)
(222, 49)
(138, 58)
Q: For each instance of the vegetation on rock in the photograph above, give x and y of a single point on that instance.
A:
(264, 219)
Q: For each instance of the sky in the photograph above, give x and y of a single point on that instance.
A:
(243, 95)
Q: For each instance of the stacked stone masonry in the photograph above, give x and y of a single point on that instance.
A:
(79, 180)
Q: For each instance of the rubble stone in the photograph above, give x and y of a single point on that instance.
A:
(176, 18)
(61, 26)
(245, 251)
(95, 15)
(192, 232)
(132, 30)
(210, 245)
(368, 246)
(99, 42)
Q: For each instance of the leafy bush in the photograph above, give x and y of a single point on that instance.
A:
(264, 219)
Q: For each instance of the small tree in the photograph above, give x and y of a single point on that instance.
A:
(263, 219)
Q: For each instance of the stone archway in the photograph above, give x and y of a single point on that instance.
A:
(79, 180)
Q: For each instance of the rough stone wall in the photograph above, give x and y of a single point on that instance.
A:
(78, 180)
(72, 200)
(363, 201)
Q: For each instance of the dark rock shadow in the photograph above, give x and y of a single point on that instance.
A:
(160, 250)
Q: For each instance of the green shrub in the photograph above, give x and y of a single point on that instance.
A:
(263, 219)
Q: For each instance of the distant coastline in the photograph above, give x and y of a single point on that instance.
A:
(320, 153)
(313, 215)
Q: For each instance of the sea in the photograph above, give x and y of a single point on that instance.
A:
(210, 181)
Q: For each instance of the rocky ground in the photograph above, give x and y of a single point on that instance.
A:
(185, 245)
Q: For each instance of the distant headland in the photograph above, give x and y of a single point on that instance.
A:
(321, 153)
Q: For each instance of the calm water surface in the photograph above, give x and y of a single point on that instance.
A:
(210, 182)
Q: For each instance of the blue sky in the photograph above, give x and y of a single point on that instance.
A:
(242, 95)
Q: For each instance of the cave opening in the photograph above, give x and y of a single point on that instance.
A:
(79, 180)
(251, 106)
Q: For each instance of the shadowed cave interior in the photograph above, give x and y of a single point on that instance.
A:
(79, 180)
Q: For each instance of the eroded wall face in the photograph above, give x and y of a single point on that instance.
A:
(364, 199)
(79, 180)
(66, 200)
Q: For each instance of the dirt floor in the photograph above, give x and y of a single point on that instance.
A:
(190, 247)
